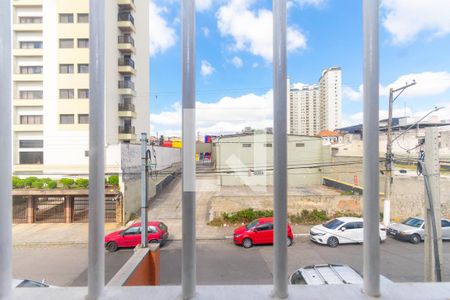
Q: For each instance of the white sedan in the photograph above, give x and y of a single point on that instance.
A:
(345, 230)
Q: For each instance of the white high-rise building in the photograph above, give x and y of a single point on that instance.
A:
(51, 83)
(316, 107)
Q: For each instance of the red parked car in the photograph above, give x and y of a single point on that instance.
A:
(131, 236)
(260, 231)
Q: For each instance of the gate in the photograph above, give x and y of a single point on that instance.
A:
(50, 210)
(20, 206)
(81, 209)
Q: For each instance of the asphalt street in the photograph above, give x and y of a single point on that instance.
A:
(221, 262)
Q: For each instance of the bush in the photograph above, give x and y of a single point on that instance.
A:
(37, 184)
(17, 183)
(309, 217)
(113, 180)
(51, 184)
(30, 180)
(246, 215)
(82, 183)
(67, 182)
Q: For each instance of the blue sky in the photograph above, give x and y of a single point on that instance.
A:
(234, 71)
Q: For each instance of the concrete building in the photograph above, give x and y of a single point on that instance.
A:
(316, 107)
(51, 83)
(247, 159)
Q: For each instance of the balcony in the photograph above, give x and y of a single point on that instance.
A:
(127, 110)
(126, 4)
(27, 3)
(126, 87)
(28, 52)
(27, 27)
(125, 43)
(126, 66)
(127, 133)
(28, 77)
(126, 21)
(28, 102)
(28, 127)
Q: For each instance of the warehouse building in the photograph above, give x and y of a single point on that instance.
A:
(247, 159)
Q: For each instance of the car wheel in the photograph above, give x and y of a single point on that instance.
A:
(415, 239)
(332, 242)
(247, 243)
(289, 242)
(112, 247)
(153, 241)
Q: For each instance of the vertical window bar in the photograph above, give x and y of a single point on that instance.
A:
(5, 158)
(96, 268)
(280, 148)
(371, 151)
(188, 279)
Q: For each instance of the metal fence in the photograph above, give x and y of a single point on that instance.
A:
(50, 210)
(20, 206)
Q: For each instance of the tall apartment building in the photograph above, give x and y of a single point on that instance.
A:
(51, 83)
(316, 107)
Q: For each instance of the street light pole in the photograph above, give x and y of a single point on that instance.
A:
(389, 155)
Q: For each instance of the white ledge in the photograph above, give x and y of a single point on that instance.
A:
(394, 291)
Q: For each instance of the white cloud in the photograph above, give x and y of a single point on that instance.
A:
(317, 3)
(252, 29)
(428, 84)
(406, 19)
(228, 115)
(203, 5)
(255, 65)
(162, 36)
(237, 62)
(205, 31)
(206, 68)
(348, 93)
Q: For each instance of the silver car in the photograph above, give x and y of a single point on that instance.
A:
(412, 230)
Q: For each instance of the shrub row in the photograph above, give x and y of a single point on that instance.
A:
(65, 183)
(304, 217)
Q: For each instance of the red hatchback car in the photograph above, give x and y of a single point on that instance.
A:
(131, 236)
(260, 231)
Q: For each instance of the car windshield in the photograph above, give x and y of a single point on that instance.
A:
(333, 224)
(30, 283)
(251, 225)
(413, 222)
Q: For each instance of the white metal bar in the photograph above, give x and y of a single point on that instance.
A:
(96, 267)
(144, 232)
(6, 156)
(371, 151)
(188, 279)
(280, 279)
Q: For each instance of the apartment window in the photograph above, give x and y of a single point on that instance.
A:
(83, 68)
(65, 18)
(31, 158)
(30, 45)
(30, 94)
(31, 144)
(83, 93)
(66, 119)
(31, 119)
(83, 43)
(65, 68)
(31, 70)
(65, 43)
(28, 20)
(246, 145)
(83, 18)
(300, 145)
(268, 145)
(66, 94)
(83, 119)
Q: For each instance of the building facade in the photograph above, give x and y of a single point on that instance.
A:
(51, 83)
(316, 107)
(246, 159)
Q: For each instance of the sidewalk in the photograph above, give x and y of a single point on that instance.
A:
(35, 235)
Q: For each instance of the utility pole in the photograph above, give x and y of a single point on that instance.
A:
(144, 167)
(389, 156)
(433, 231)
